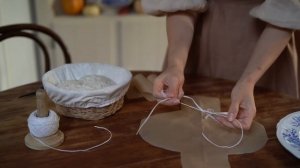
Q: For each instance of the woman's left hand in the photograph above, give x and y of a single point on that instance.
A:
(271, 43)
(242, 107)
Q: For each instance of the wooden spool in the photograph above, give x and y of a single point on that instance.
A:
(43, 111)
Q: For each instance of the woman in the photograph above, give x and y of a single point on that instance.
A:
(239, 40)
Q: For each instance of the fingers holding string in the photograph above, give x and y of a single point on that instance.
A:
(233, 111)
(168, 89)
(224, 121)
(245, 117)
(158, 87)
(239, 122)
(172, 90)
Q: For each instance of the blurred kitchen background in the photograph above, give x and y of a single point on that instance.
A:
(104, 31)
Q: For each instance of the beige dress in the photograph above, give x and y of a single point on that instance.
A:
(226, 34)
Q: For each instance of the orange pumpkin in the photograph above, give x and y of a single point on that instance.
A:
(72, 7)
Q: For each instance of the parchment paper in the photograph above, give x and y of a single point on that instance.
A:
(180, 131)
(141, 86)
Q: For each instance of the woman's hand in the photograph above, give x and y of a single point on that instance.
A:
(180, 31)
(242, 107)
(269, 46)
(169, 85)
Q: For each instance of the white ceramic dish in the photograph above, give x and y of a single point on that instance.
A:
(288, 133)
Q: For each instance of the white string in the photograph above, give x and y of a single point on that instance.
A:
(210, 114)
(79, 150)
(225, 146)
(158, 103)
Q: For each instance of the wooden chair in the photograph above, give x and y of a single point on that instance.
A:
(30, 31)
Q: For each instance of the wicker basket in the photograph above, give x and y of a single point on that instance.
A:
(92, 113)
(87, 104)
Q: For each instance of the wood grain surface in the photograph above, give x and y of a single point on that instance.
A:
(127, 149)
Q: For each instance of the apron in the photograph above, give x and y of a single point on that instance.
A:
(224, 40)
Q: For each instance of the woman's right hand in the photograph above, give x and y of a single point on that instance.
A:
(180, 31)
(169, 85)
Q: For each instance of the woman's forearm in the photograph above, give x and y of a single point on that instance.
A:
(269, 46)
(180, 31)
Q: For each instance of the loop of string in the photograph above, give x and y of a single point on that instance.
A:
(79, 150)
(210, 114)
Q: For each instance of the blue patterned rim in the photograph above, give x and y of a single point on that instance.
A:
(292, 135)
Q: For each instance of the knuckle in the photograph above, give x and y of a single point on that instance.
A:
(247, 127)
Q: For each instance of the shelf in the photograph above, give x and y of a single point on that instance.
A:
(136, 42)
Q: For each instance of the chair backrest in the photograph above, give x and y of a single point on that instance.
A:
(30, 31)
(297, 39)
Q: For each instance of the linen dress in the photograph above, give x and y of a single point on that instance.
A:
(226, 34)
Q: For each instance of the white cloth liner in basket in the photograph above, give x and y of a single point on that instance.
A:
(87, 98)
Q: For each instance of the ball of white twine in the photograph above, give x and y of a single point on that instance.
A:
(43, 126)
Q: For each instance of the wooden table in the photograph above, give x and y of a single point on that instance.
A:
(126, 149)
